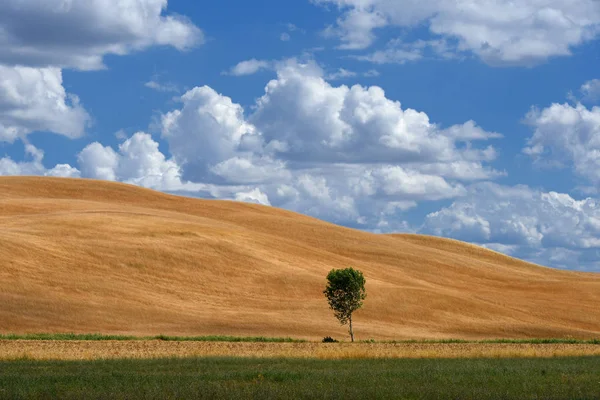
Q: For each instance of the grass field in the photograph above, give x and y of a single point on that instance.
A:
(285, 378)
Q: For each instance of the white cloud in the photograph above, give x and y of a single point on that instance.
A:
(501, 32)
(248, 67)
(312, 121)
(253, 196)
(142, 163)
(251, 170)
(98, 162)
(294, 28)
(209, 129)
(461, 170)
(38, 38)
(138, 161)
(341, 73)
(285, 36)
(161, 87)
(392, 56)
(63, 171)
(400, 52)
(548, 228)
(567, 135)
(340, 153)
(469, 131)
(33, 99)
(591, 90)
(355, 28)
(35, 166)
(79, 33)
(409, 184)
(344, 74)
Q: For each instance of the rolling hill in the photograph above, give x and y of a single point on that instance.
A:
(91, 256)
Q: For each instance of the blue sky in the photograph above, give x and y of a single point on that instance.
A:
(477, 120)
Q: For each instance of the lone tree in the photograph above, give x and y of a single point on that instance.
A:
(345, 292)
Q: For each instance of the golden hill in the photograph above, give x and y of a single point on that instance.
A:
(91, 256)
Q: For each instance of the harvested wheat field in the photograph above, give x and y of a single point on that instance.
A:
(121, 349)
(90, 256)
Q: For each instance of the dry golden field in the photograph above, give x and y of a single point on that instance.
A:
(120, 349)
(89, 256)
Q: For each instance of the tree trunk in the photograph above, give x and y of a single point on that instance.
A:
(351, 332)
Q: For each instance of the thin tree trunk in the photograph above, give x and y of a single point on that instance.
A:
(351, 332)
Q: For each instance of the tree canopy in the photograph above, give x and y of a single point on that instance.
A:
(345, 293)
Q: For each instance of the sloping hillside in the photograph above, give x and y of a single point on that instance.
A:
(90, 256)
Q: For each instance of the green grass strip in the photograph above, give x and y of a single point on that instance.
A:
(98, 336)
(492, 341)
(263, 339)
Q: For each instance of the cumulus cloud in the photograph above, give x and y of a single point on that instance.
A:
(548, 228)
(33, 99)
(38, 38)
(567, 135)
(63, 171)
(138, 161)
(499, 32)
(79, 33)
(98, 162)
(209, 129)
(248, 67)
(305, 119)
(253, 196)
(35, 165)
(355, 28)
(340, 153)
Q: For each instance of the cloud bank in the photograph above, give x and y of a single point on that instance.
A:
(38, 38)
(500, 32)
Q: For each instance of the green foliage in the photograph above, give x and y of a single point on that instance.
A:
(329, 339)
(283, 378)
(543, 341)
(492, 341)
(345, 292)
